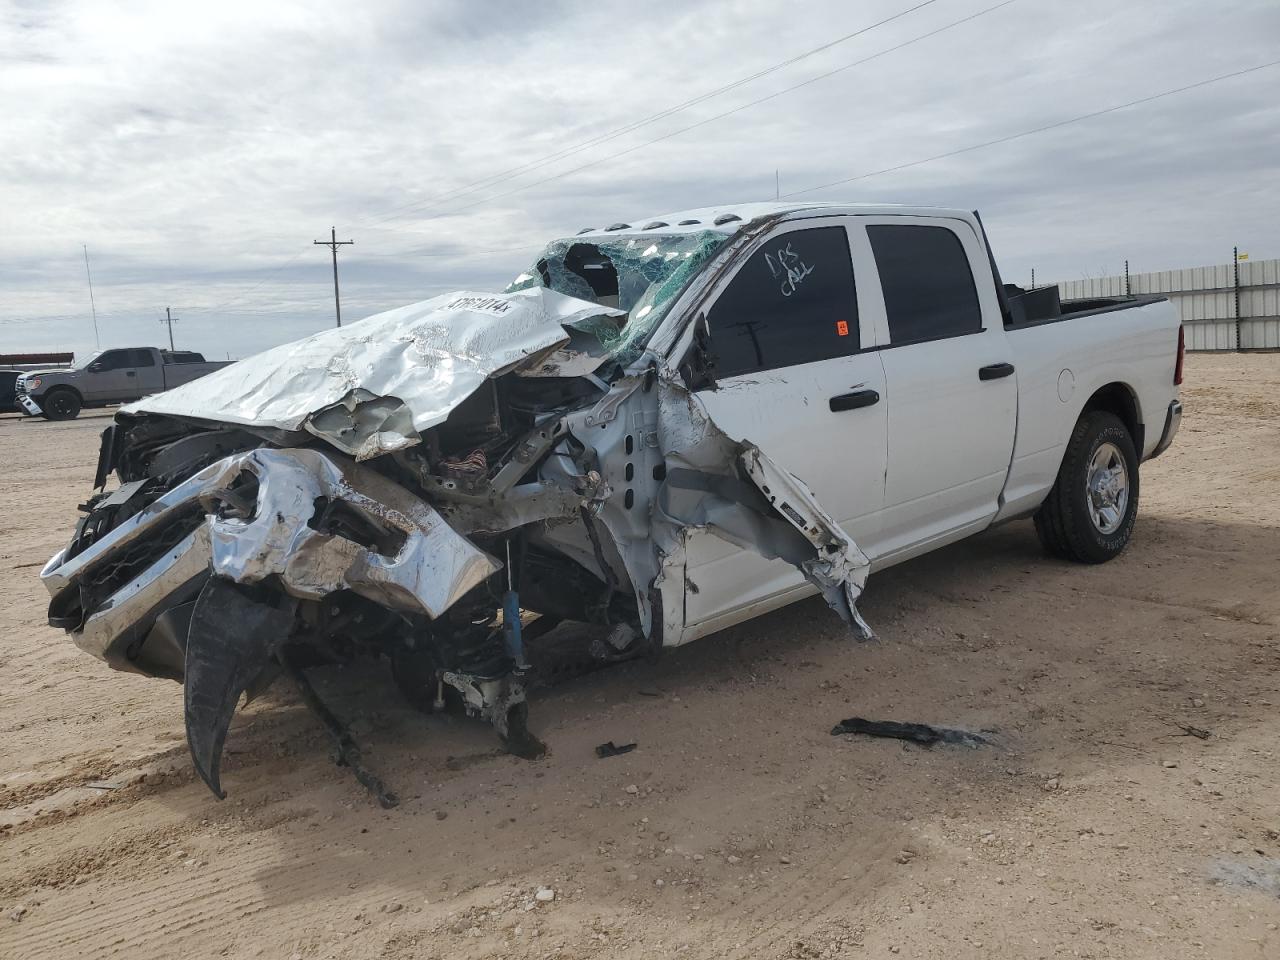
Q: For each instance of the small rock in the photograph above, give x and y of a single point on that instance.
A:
(732, 859)
(698, 857)
(1169, 764)
(632, 789)
(905, 856)
(544, 895)
(393, 908)
(1051, 784)
(17, 913)
(1197, 702)
(663, 836)
(784, 859)
(441, 814)
(659, 883)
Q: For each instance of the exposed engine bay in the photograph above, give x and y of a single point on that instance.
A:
(439, 486)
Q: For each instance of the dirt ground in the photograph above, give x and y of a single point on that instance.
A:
(739, 827)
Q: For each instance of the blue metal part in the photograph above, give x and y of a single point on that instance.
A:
(511, 628)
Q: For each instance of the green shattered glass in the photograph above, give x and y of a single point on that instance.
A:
(651, 271)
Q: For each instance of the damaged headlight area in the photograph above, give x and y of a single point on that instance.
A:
(350, 523)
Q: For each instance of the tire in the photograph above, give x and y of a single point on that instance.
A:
(1092, 527)
(61, 403)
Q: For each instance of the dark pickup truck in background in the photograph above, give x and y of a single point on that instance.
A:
(108, 377)
(9, 390)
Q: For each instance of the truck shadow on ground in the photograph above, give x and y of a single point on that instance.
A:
(970, 581)
(984, 634)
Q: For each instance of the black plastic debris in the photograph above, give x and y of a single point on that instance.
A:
(611, 749)
(921, 733)
(346, 752)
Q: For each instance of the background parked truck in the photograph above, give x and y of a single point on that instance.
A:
(110, 376)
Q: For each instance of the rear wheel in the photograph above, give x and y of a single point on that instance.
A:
(61, 403)
(1089, 514)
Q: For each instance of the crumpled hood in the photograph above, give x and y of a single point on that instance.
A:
(429, 356)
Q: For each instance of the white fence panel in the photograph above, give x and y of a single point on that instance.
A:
(1205, 299)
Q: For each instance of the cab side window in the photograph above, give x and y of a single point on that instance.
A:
(928, 287)
(142, 358)
(792, 302)
(114, 360)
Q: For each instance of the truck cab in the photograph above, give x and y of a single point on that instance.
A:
(873, 352)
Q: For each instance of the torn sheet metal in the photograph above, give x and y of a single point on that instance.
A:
(403, 555)
(648, 428)
(407, 558)
(430, 356)
(364, 425)
(732, 488)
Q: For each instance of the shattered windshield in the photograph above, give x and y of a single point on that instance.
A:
(641, 275)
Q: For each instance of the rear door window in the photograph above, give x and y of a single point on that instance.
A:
(143, 358)
(928, 287)
(792, 302)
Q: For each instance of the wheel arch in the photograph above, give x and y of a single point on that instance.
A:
(62, 386)
(1119, 399)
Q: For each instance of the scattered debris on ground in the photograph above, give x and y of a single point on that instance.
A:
(921, 733)
(611, 749)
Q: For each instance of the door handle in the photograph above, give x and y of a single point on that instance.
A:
(994, 371)
(852, 401)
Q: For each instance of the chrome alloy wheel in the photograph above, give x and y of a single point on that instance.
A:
(1107, 488)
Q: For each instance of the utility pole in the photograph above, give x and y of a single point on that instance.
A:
(1126, 279)
(169, 318)
(333, 243)
(97, 341)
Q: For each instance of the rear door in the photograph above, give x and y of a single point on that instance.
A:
(794, 375)
(148, 375)
(952, 387)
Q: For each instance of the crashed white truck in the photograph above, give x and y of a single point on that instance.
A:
(661, 429)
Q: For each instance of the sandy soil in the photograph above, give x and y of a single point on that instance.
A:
(739, 827)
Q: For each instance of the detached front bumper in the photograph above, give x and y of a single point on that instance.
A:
(1172, 421)
(29, 406)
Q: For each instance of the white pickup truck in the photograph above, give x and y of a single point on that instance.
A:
(661, 428)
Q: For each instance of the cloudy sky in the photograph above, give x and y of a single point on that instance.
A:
(198, 149)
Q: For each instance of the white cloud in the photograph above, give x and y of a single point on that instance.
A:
(198, 149)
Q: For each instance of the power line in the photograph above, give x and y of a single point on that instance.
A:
(333, 243)
(730, 112)
(508, 174)
(577, 148)
(619, 131)
(1041, 129)
(272, 272)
